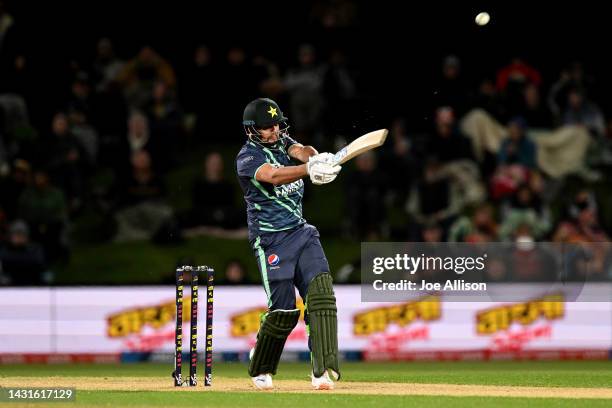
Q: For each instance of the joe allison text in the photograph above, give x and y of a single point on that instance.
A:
(449, 285)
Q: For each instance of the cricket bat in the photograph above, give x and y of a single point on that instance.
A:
(360, 145)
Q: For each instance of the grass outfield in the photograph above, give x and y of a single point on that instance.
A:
(268, 400)
(587, 383)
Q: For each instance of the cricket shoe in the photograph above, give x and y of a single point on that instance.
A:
(263, 382)
(323, 382)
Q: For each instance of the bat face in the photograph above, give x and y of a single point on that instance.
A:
(360, 145)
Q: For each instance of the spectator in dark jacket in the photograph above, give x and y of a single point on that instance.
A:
(451, 89)
(534, 110)
(44, 208)
(365, 197)
(144, 212)
(12, 186)
(213, 196)
(448, 143)
(517, 148)
(22, 261)
(581, 111)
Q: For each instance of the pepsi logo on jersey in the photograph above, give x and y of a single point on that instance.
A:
(273, 260)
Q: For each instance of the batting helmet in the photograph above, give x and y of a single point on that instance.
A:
(262, 113)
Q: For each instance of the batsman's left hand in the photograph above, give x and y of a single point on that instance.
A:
(323, 158)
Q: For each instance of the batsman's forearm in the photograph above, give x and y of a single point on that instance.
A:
(308, 151)
(302, 153)
(286, 175)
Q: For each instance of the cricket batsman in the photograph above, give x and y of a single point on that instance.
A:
(287, 248)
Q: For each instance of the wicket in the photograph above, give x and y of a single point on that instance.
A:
(193, 344)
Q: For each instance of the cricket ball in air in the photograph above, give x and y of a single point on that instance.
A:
(482, 18)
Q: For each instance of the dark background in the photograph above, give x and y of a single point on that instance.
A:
(395, 47)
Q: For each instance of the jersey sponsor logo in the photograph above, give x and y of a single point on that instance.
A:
(273, 260)
(287, 189)
(247, 159)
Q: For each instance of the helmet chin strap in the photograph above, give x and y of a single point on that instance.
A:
(254, 136)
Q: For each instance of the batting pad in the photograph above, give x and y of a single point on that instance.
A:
(274, 330)
(323, 316)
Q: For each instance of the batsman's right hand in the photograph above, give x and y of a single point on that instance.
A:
(322, 173)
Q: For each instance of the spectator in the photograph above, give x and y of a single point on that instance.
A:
(12, 186)
(18, 136)
(529, 262)
(512, 79)
(305, 85)
(80, 96)
(365, 194)
(109, 111)
(497, 269)
(448, 143)
(237, 75)
(14, 68)
(142, 184)
(517, 148)
(199, 93)
(65, 159)
(480, 227)
(517, 73)
(605, 148)
(525, 209)
(432, 233)
(6, 23)
(213, 196)
(22, 261)
(235, 274)
(433, 199)
(85, 134)
(581, 222)
(44, 208)
(140, 74)
(165, 121)
(533, 110)
(399, 159)
(488, 98)
(516, 158)
(334, 14)
(106, 66)
(589, 254)
(451, 90)
(339, 92)
(570, 78)
(143, 211)
(581, 111)
(268, 77)
(139, 138)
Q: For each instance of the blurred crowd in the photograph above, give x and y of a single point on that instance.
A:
(519, 155)
(506, 160)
